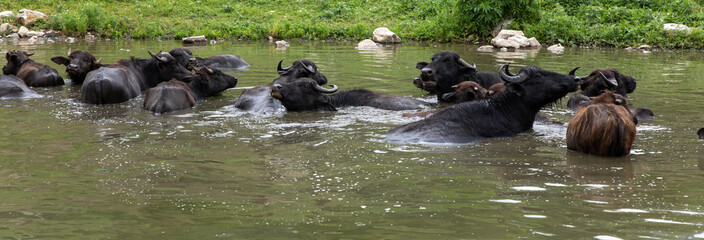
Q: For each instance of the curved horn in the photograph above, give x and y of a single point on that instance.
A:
(507, 71)
(310, 69)
(573, 71)
(161, 59)
(282, 70)
(68, 54)
(99, 60)
(473, 66)
(323, 90)
(210, 71)
(507, 76)
(611, 81)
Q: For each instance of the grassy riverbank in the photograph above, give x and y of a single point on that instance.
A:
(591, 22)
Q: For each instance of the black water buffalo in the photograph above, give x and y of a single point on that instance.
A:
(13, 87)
(78, 64)
(126, 79)
(306, 95)
(34, 74)
(185, 58)
(504, 115)
(604, 128)
(447, 69)
(177, 95)
(600, 80)
(701, 133)
(258, 99)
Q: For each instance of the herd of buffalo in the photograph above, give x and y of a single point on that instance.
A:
(486, 104)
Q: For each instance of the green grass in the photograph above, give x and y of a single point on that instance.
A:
(616, 23)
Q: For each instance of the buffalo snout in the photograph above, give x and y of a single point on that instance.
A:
(427, 71)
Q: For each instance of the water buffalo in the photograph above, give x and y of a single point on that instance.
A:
(605, 128)
(177, 95)
(34, 74)
(701, 133)
(447, 69)
(306, 95)
(600, 80)
(78, 64)
(504, 115)
(13, 87)
(126, 79)
(466, 91)
(184, 56)
(258, 99)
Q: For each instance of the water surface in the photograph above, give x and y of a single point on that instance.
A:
(71, 170)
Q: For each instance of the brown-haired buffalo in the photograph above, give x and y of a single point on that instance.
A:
(78, 64)
(466, 91)
(447, 69)
(177, 95)
(504, 115)
(13, 87)
(306, 95)
(185, 58)
(126, 79)
(258, 99)
(600, 80)
(605, 128)
(34, 74)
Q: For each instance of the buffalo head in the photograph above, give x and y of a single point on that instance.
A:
(607, 79)
(303, 95)
(538, 86)
(300, 69)
(184, 57)
(213, 81)
(466, 91)
(78, 64)
(445, 70)
(168, 67)
(15, 59)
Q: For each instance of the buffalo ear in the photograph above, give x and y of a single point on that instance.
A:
(60, 60)
(421, 65)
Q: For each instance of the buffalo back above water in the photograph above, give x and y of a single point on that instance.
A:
(78, 64)
(177, 95)
(506, 114)
(34, 74)
(185, 58)
(13, 87)
(601, 129)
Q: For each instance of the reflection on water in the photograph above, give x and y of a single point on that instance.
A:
(117, 171)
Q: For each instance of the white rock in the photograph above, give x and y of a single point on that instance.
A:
(503, 49)
(90, 37)
(213, 42)
(7, 14)
(5, 27)
(534, 43)
(486, 48)
(281, 44)
(13, 36)
(644, 47)
(70, 39)
(505, 34)
(23, 31)
(676, 27)
(521, 40)
(194, 39)
(35, 33)
(33, 39)
(367, 44)
(504, 43)
(28, 17)
(556, 48)
(384, 35)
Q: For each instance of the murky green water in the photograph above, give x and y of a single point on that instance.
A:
(75, 171)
